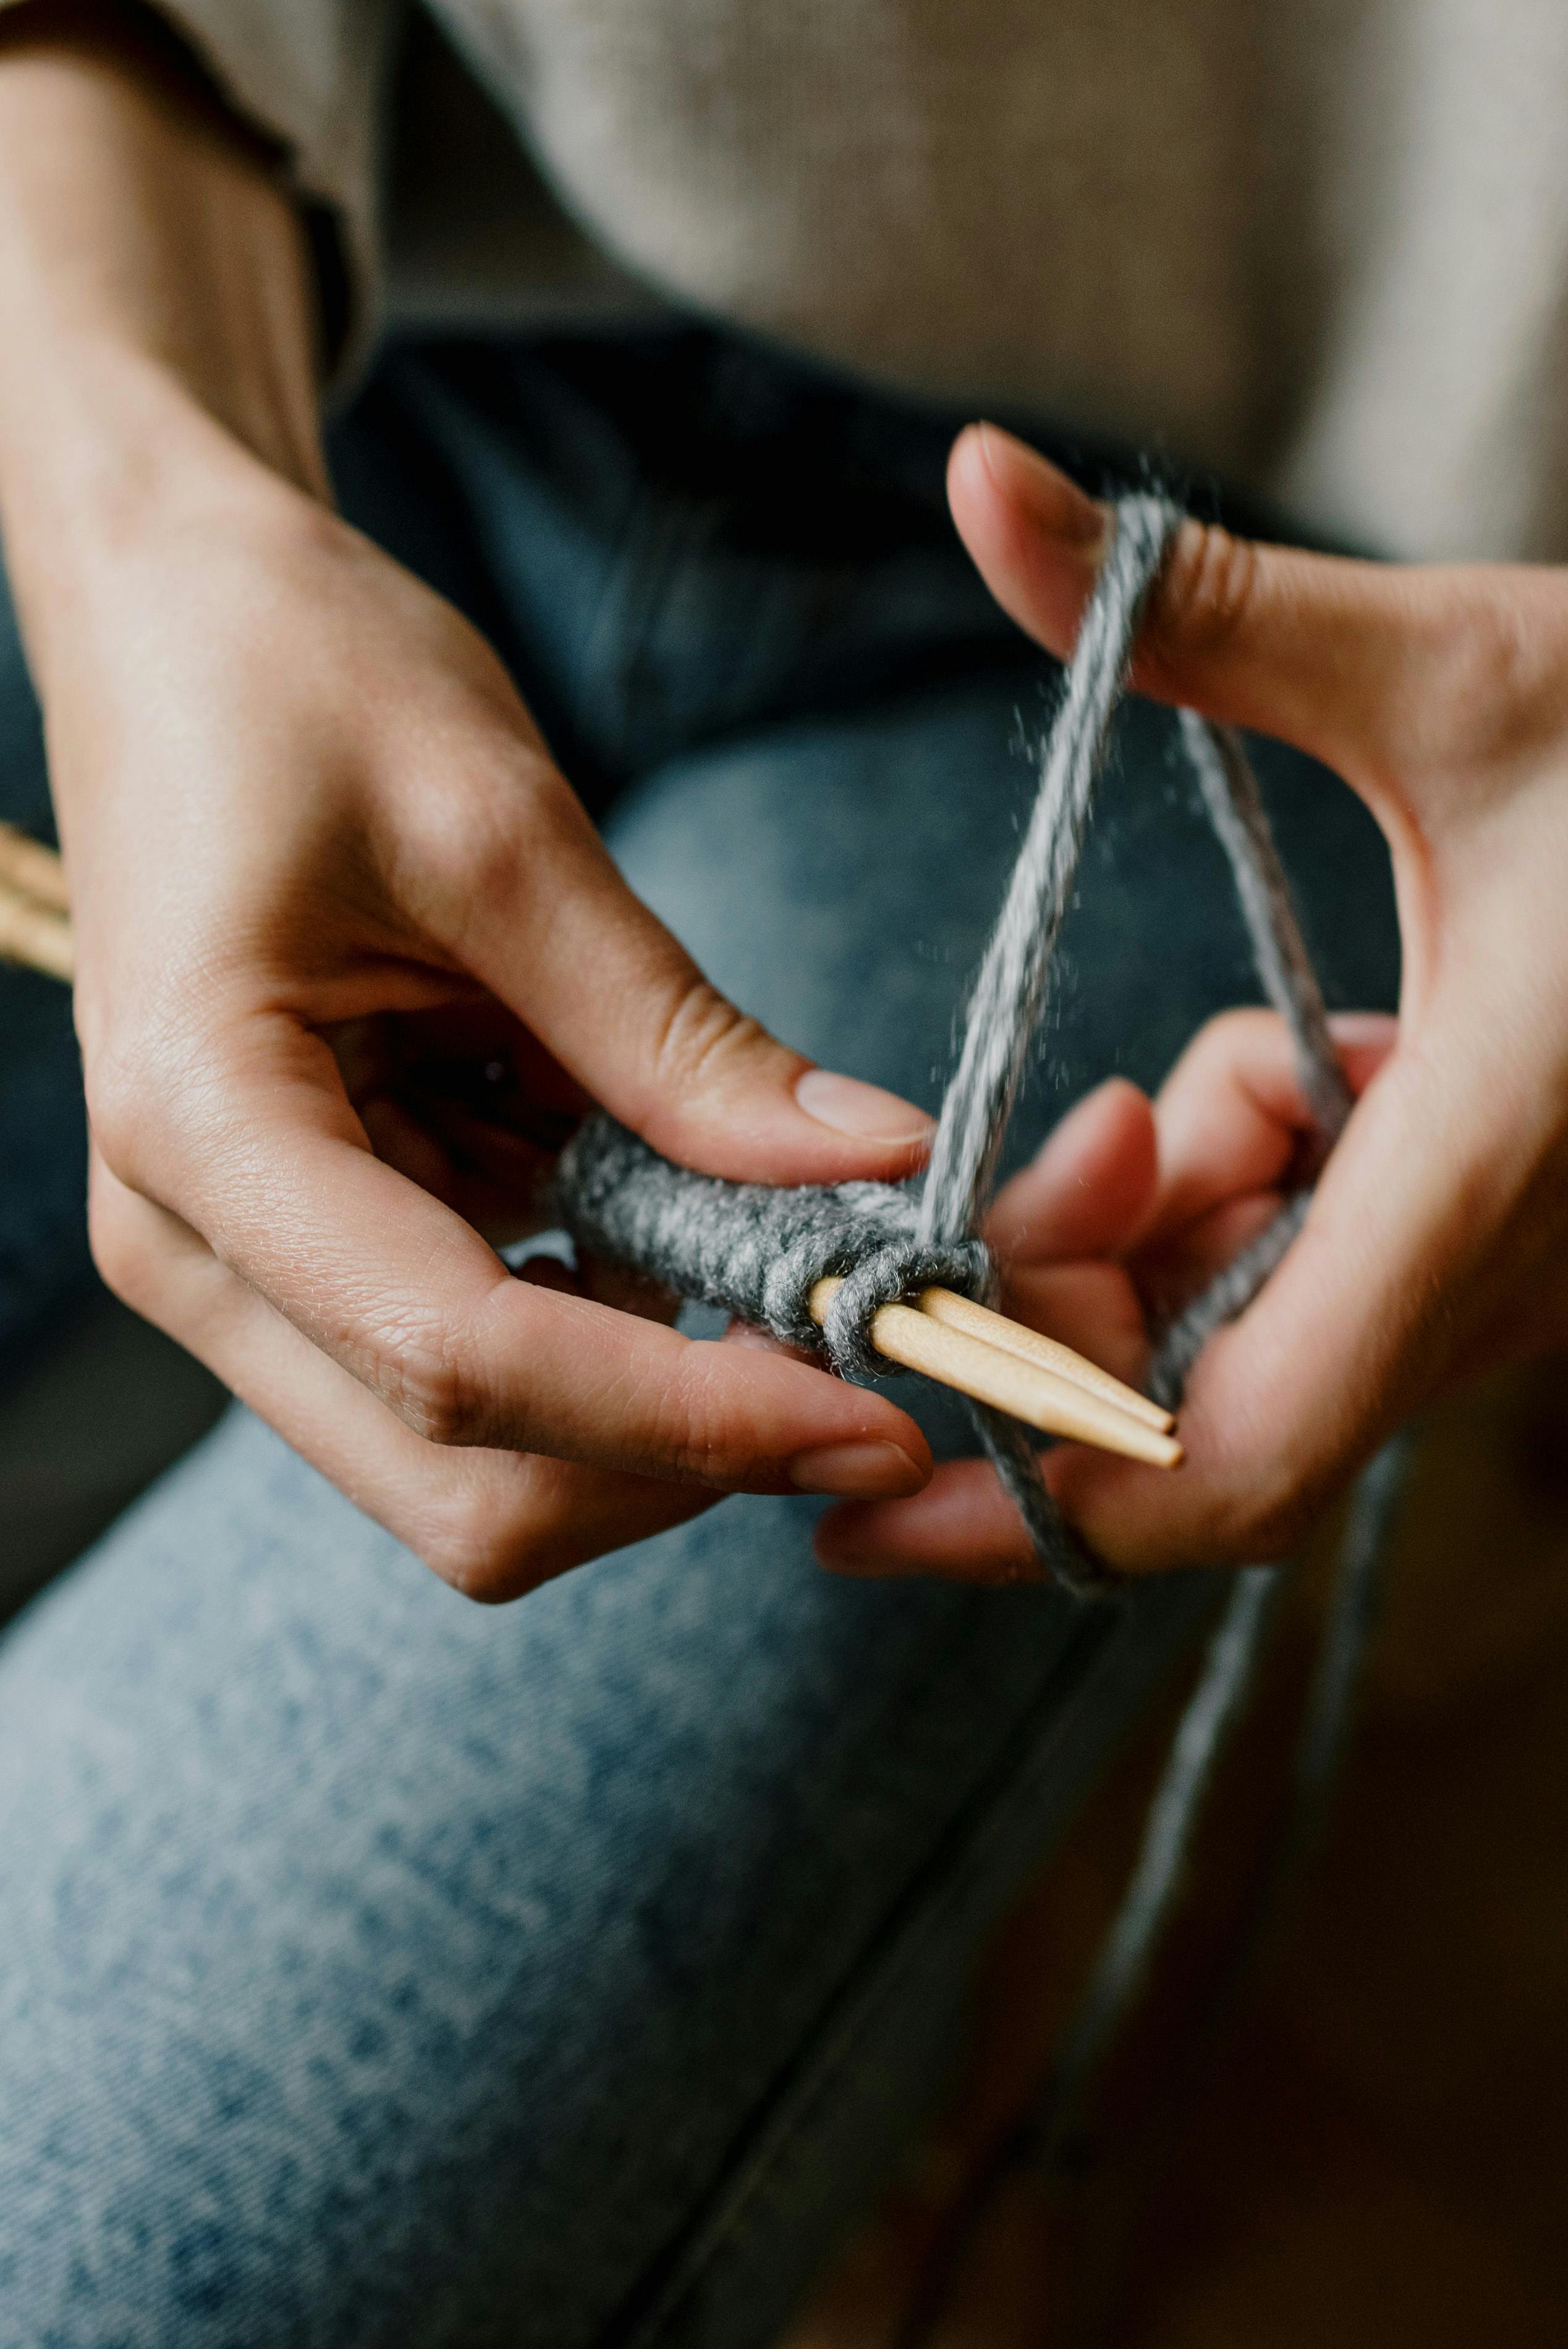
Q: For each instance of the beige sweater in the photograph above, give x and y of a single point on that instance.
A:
(1319, 244)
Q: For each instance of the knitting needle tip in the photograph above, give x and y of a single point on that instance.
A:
(1033, 1346)
(1006, 1381)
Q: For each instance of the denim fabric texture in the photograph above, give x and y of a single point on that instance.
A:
(375, 1970)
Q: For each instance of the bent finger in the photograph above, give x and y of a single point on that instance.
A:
(493, 1524)
(1232, 1115)
(1359, 1323)
(1089, 1188)
(1352, 1330)
(961, 1529)
(649, 1038)
(268, 1162)
(1093, 1306)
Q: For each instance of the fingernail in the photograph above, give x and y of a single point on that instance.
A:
(1057, 503)
(850, 1107)
(856, 1472)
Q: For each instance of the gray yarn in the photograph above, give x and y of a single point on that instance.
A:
(1125, 1956)
(1011, 1449)
(1234, 806)
(1008, 994)
(756, 1250)
(1353, 1616)
(1048, 2135)
(1122, 1967)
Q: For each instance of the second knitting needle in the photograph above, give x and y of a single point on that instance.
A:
(1033, 1346)
(1006, 1381)
(31, 935)
(27, 866)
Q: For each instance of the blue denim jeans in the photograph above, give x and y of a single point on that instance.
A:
(376, 1970)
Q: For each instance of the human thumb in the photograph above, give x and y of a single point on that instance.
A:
(649, 1038)
(1384, 672)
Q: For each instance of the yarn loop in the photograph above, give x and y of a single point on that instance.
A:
(758, 1249)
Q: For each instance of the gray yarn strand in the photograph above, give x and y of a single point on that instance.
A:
(1048, 2133)
(1039, 2136)
(1011, 1449)
(1122, 1969)
(1234, 806)
(1353, 1618)
(1210, 1714)
(1009, 991)
(1230, 1293)
(757, 1250)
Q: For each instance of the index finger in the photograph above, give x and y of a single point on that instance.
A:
(263, 1155)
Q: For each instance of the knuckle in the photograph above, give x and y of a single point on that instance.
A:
(118, 1241)
(489, 1551)
(1224, 1049)
(426, 1375)
(1491, 684)
(1229, 1035)
(1246, 1036)
(466, 1551)
(700, 1036)
(470, 859)
(122, 1106)
(1244, 1024)
(430, 1397)
(143, 1085)
(696, 1435)
(1209, 587)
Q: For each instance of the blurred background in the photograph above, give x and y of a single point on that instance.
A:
(1361, 2139)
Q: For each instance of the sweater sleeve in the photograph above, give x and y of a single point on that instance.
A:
(312, 74)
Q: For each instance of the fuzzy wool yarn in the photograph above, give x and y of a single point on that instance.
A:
(759, 1250)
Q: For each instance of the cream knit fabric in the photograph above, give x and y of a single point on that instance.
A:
(1321, 245)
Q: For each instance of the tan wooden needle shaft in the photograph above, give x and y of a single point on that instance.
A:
(1033, 1346)
(33, 869)
(1040, 1398)
(31, 934)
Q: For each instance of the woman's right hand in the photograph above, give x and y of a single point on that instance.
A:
(323, 867)
(323, 873)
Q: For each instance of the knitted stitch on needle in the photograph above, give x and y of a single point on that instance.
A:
(758, 1251)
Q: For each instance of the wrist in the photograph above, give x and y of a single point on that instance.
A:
(156, 304)
(132, 471)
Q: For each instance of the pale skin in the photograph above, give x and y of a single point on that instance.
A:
(318, 855)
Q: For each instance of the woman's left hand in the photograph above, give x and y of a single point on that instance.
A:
(1130, 1209)
(1437, 1241)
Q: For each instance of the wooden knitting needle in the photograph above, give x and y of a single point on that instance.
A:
(28, 866)
(1005, 1380)
(1033, 1346)
(31, 933)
